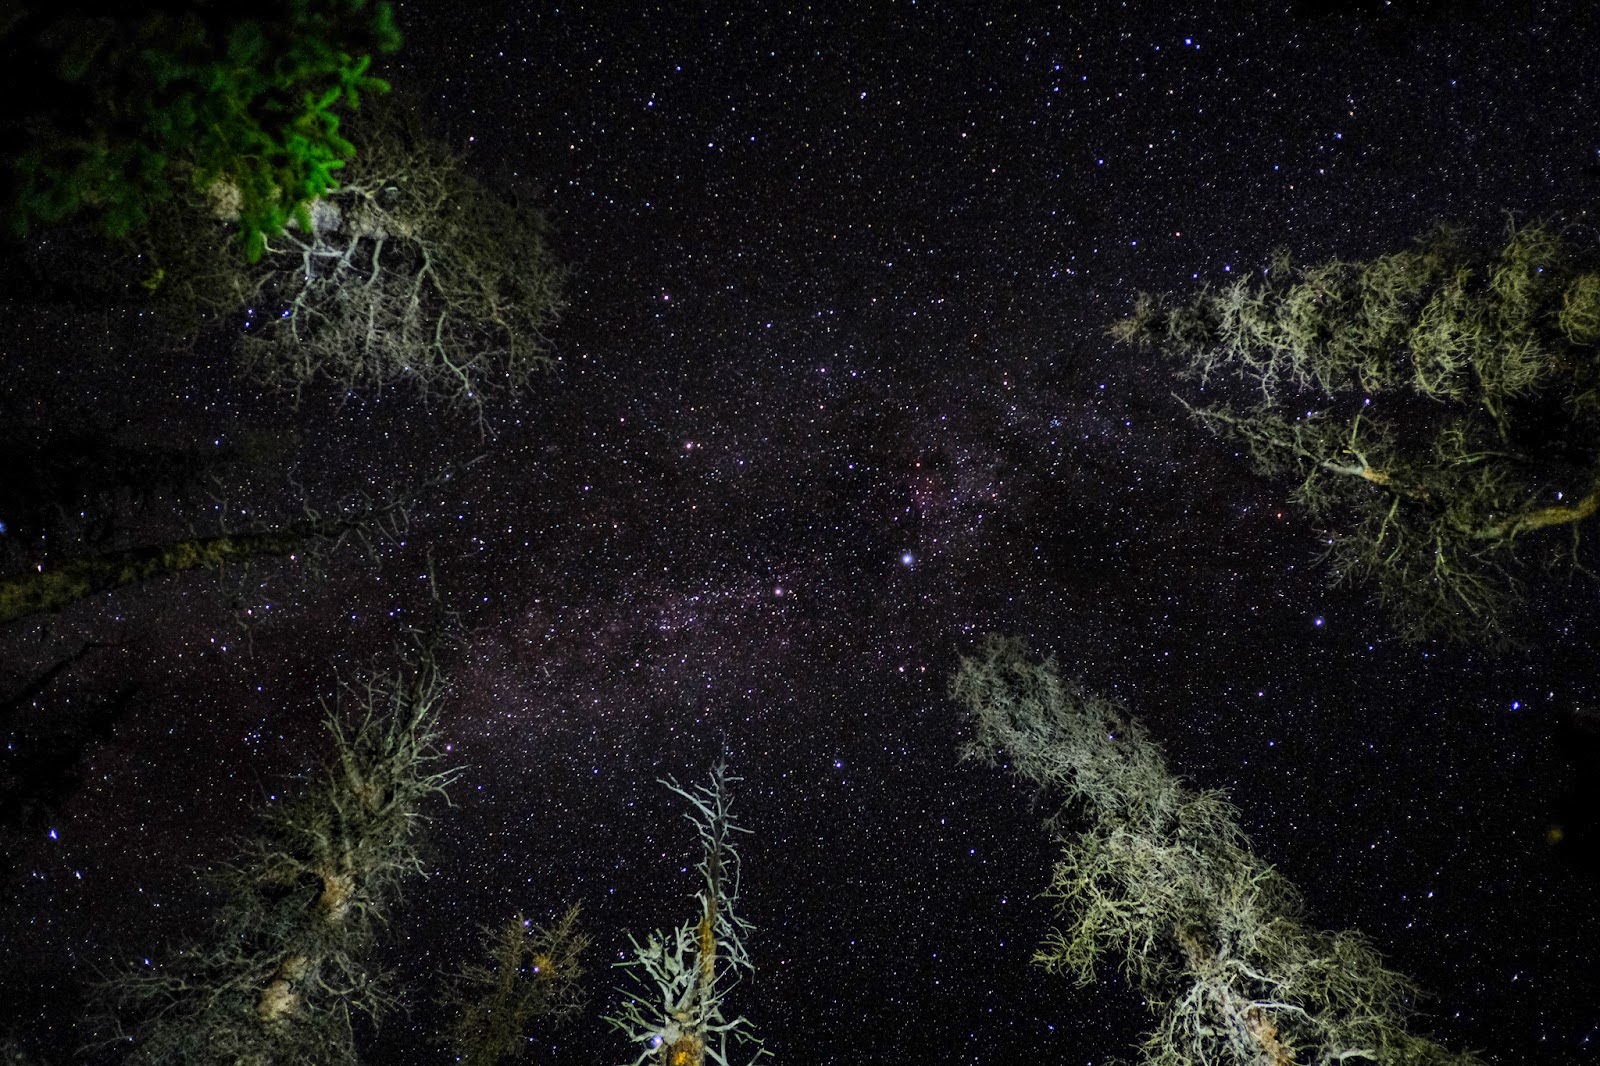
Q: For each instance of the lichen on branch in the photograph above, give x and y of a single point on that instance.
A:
(287, 963)
(1158, 880)
(1435, 410)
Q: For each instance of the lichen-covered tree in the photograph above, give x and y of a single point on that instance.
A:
(1436, 409)
(1158, 880)
(531, 975)
(411, 272)
(674, 1007)
(287, 964)
(133, 106)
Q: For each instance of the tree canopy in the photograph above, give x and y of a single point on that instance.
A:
(136, 107)
(372, 256)
(1437, 410)
(1159, 880)
(288, 963)
(412, 272)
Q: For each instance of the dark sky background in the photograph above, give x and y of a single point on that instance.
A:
(833, 400)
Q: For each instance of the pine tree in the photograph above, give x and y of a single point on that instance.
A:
(1161, 882)
(287, 965)
(1437, 409)
(675, 1008)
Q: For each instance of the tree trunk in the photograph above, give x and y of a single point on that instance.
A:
(61, 586)
(1236, 1012)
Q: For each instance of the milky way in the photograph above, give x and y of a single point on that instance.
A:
(833, 400)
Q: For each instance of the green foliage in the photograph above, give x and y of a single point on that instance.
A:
(532, 973)
(287, 963)
(240, 112)
(673, 1009)
(1162, 883)
(1437, 408)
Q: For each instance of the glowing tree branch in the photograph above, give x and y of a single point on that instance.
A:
(287, 965)
(1163, 882)
(409, 272)
(1435, 409)
(674, 1010)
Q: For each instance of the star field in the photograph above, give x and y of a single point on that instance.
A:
(833, 399)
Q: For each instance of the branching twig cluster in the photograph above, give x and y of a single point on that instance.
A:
(412, 272)
(532, 973)
(1161, 882)
(287, 964)
(1438, 407)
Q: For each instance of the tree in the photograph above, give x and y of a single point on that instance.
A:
(198, 103)
(57, 585)
(85, 483)
(532, 974)
(410, 272)
(1161, 880)
(675, 1008)
(1436, 408)
(287, 964)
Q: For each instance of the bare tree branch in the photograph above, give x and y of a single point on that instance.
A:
(412, 272)
(674, 1008)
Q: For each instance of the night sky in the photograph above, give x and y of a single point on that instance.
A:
(833, 400)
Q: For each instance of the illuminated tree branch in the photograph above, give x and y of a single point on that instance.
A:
(674, 1007)
(1438, 410)
(409, 272)
(1161, 882)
